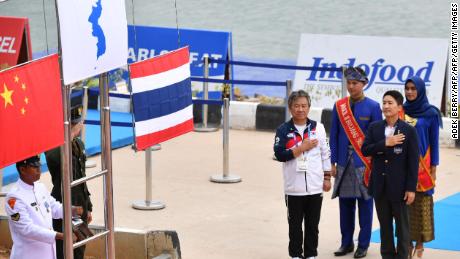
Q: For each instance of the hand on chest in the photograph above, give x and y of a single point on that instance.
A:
(295, 139)
(396, 141)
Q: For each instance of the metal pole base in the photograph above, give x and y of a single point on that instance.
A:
(200, 128)
(225, 179)
(90, 164)
(148, 205)
(155, 147)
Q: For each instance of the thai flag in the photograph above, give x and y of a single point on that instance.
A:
(162, 98)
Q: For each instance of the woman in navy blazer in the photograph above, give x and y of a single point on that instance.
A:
(393, 146)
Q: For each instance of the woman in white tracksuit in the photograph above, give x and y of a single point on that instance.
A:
(301, 145)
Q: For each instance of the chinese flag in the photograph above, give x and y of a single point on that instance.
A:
(31, 117)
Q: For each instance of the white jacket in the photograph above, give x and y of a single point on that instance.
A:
(307, 182)
(30, 211)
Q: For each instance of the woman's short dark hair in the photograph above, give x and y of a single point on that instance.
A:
(298, 94)
(396, 95)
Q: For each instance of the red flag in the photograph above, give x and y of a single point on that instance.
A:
(31, 118)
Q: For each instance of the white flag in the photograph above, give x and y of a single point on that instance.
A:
(94, 37)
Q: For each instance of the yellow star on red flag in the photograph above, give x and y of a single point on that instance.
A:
(7, 95)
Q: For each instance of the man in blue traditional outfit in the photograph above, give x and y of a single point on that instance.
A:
(350, 118)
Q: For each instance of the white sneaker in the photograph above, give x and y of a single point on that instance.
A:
(311, 257)
(296, 258)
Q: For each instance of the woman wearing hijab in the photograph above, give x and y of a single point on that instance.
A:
(427, 119)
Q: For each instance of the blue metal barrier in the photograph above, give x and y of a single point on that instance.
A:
(127, 124)
(209, 101)
(112, 123)
(254, 64)
(245, 82)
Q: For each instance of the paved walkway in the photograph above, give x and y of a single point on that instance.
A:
(223, 221)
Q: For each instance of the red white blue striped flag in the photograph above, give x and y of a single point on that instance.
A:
(162, 98)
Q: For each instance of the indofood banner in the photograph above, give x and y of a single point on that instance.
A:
(388, 62)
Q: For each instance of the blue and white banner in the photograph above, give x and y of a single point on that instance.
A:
(146, 42)
(94, 37)
(388, 61)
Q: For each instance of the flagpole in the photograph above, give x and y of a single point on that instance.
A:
(1, 182)
(66, 164)
(204, 125)
(106, 164)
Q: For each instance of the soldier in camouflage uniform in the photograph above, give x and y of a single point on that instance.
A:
(80, 193)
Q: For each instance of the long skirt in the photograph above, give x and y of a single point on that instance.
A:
(421, 218)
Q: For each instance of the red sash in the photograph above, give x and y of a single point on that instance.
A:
(425, 181)
(354, 133)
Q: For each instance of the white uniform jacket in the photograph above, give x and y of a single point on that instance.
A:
(309, 181)
(30, 211)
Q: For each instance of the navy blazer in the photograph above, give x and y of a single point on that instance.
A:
(394, 169)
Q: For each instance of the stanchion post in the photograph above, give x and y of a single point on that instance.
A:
(156, 147)
(148, 204)
(225, 137)
(205, 91)
(148, 174)
(288, 93)
(204, 125)
(344, 82)
(226, 177)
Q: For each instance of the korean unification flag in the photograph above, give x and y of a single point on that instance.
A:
(94, 37)
(162, 98)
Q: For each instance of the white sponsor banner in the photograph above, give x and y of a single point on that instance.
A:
(94, 37)
(388, 62)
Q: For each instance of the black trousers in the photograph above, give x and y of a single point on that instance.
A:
(78, 253)
(386, 212)
(306, 209)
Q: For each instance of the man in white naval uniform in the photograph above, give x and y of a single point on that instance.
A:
(30, 209)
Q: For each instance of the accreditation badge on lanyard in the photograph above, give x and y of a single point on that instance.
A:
(398, 148)
(302, 160)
